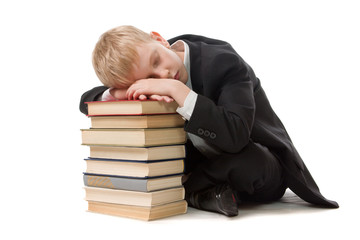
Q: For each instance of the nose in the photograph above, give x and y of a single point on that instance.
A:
(163, 73)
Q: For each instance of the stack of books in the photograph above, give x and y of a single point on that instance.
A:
(136, 159)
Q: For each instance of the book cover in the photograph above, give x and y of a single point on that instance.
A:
(138, 153)
(130, 107)
(134, 198)
(134, 168)
(133, 137)
(139, 212)
(132, 184)
(138, 121)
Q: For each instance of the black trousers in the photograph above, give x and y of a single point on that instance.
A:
(254, 173)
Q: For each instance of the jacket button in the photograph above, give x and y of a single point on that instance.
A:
(213, 135)
(206, 133)
(200, 131)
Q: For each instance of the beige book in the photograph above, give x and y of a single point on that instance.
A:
(133, 137)
(138, 121)
(139, 212)
(134, 198)
(138, 153)
(134, 168)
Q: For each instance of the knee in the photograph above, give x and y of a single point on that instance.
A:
(252, 168)
(253, 160)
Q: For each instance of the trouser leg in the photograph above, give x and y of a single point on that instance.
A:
(254, 173)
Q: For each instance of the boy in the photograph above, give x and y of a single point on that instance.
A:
(238, 150)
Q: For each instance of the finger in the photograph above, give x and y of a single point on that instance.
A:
(128, 94)
(142, 97)
(168, 99)
(155, 97)
(131, 94)
(137, 94)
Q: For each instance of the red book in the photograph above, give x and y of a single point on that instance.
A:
(130, 107)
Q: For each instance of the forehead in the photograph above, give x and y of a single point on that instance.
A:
(141, 64)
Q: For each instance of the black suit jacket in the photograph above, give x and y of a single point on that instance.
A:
(233, 109)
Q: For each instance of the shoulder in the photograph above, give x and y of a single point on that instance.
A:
(208, 48)
(198, 39)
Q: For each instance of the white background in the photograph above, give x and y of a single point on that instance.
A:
(306, 54)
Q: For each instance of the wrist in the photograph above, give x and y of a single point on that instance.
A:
(179, 92)
(106, 96)
(118, 93)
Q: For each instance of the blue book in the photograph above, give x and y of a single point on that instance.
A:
(132, 184)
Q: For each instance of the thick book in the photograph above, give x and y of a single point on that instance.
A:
(139, 212)
(133, 137)
(132, 184)
(138, 153)
(134, 168)
(134, 198)
(140, 121)
(130, 107)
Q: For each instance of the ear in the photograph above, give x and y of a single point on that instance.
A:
(157, 37)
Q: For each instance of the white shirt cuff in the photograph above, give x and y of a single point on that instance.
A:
(189, 105)
(106, 96)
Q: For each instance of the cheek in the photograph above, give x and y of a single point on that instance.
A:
(174, 57)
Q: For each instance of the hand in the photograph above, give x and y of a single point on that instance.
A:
(159, 98)
(120, 94)
(155, 89)
(159, 89)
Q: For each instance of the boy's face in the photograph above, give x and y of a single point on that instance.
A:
(157, 60)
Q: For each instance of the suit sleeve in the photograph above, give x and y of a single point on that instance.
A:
(225, 118)
(89, 96)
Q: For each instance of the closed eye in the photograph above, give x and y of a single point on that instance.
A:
(156, 61)
(153, 76)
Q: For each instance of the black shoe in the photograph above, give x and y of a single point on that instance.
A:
(218, 199)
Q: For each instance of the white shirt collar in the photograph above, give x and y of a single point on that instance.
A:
(182, 46)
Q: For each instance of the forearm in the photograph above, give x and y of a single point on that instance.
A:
(227, 130)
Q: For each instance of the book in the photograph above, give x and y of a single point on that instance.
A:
(139, 212)
(132, 184)
(134, 198)
(133, 137)
(130, 107)
(134, 168)
(138, 153)
(136, 159)
(142, 121)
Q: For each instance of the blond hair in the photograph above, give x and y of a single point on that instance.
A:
(114, 54)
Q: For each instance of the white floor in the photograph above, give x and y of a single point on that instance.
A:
(59, 212)
(288, 218)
